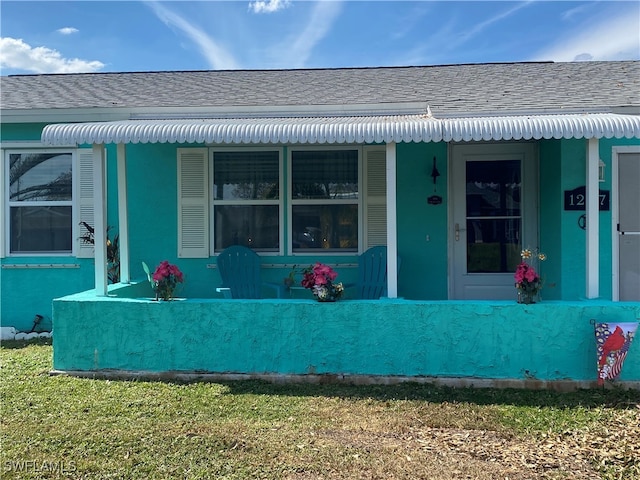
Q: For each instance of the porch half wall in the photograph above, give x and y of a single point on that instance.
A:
(549, 341)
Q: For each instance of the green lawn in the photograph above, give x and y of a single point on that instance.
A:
(62, 427)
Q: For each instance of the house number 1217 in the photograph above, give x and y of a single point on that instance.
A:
(576, 199)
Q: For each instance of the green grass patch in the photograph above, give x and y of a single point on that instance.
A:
(65, 427)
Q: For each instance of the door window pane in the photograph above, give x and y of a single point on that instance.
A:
(329, 227)
(493, 245)
(254, 226)
(493, 216)
(493, 188)
(40, 229)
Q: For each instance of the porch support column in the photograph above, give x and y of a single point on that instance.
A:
(100, 219)
(392, 242)
(123, 218)
(593, 221)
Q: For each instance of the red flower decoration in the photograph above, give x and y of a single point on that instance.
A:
(319, 278)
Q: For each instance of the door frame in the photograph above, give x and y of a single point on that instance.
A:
(530, 193)
(615, 217)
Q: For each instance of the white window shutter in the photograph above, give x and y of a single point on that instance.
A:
(84, 194)
(193, 203)
(375, 201)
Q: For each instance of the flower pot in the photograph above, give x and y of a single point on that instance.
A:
(166, 296)
(527, 297)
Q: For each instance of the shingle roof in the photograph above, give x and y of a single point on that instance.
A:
(448, 90)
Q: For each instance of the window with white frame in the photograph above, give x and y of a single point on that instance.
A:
(246, 199)
(325, 199)
(335, 201)
(39, 193)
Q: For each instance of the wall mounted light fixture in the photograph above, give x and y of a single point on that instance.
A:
(601, 169)
(434, 199)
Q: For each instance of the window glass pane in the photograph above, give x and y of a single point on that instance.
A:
(331, 174)
(40, 177)
(332, 227)
(246, 175)
(493, 245)
(493, 188)
(251, 226)
(40, 229)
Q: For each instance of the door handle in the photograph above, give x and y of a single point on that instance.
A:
(457, 231)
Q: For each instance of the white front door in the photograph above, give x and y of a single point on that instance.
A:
(493, 215)
(628, 227)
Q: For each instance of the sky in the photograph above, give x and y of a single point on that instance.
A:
(125, 36)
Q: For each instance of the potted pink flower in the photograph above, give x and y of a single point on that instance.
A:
(320, 278)
(164, 279)
(528, 281)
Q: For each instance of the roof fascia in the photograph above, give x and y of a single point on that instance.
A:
(78, 115)
(73, 115)
(626, 110)
(521, 113)
(64, 115)
(284, 111)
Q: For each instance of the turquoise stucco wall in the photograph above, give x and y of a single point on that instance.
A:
(498, 340)
(152, 200)
(423, 272)
(23, 132)
(606, 232)
(151, 170)
(28, 290)
(28, 284)
(565, 163)
(550, 219)
(152, 196)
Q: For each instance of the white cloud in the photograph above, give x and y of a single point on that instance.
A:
(67, 30)
(16, 54)
(480, 27)
(270, 6)
(409, 19)
(317, 27)
(574, 12)
(614, 38)
(444, 41)
(217, 56)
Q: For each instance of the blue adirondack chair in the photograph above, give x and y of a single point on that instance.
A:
(239, 268)
(372, 274)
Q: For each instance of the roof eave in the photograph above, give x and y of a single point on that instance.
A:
(115, 113)
(111, 114)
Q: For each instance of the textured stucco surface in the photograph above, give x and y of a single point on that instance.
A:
(28, 288)
(500, 340)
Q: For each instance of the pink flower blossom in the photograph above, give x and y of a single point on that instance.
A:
(526, 277)
(319, 279)
(531, 275)
(324, 273)
(308, 280)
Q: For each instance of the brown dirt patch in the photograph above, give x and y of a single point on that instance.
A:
(448, 454)
(438, 453)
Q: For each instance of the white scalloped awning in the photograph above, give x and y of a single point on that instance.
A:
(357, 129)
